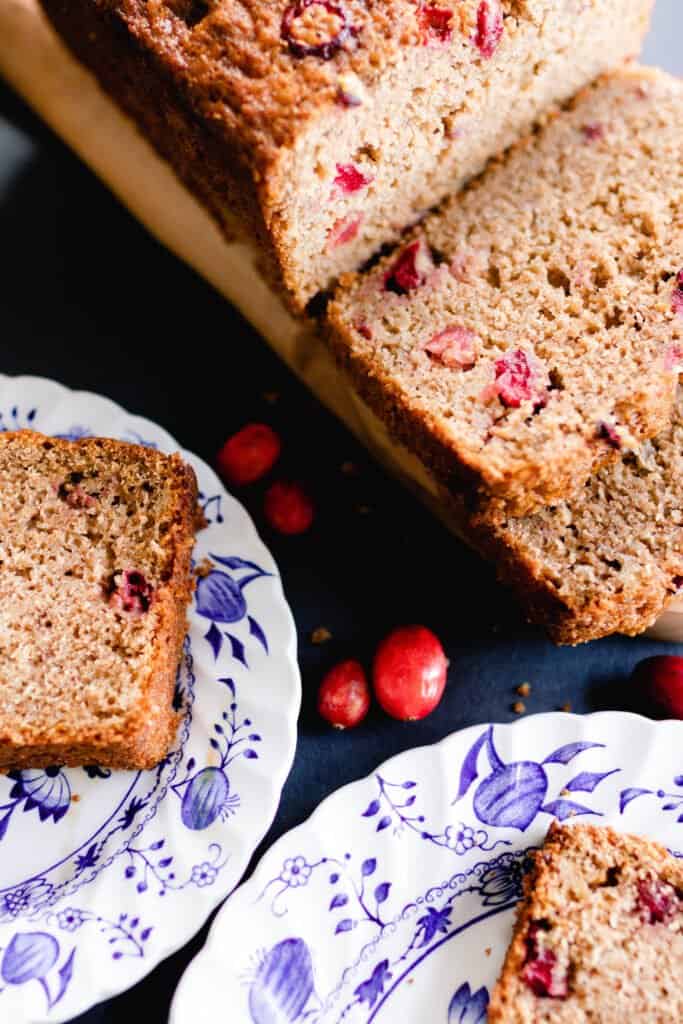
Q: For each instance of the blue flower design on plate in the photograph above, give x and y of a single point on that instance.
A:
(467, 1007)
(220, 597)
(512, 795)
(46, 790)
(32, 956)
(205, 794)
(283, 984)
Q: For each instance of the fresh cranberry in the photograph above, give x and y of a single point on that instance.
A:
(344, 231)
(660, 680)
(76, 497)
(365, 330)
(540, 970)
(455, 346)
(593, 132)
(677, 297)
(409, 673)
(344, 695)
(288, 508)
(435, 23)
(519, 377)
(490, 25)
(409, 270)
(609, 433)
(349, 180)
(316, 28)
(658, 901)
(249, 454)
(133, 594)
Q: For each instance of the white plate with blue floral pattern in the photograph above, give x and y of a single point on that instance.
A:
(395, 900)
(103, 874)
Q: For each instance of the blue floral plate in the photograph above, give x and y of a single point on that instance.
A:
(103, 874)
(394, 901)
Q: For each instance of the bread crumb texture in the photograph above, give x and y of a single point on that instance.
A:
(532, 329)
(332, 125)
(95, 544)
(599, 934)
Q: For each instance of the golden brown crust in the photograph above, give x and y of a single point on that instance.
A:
(145, 737)
(598, 849)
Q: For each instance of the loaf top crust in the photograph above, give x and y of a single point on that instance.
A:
(260, 70)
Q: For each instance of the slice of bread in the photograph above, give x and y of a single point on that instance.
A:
(599, 934)
(532, 328)
(95, 578)
(607, 561)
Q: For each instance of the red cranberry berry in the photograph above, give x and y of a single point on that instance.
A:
(658, 902)
(287, 508)
(75, 496)
(409, 673)
(519, 377)
(540, 971)
(593, 132)
(409, 271)
(365, 330)
(133, 594)
(344, 695)
(660, 680)
(349, 180)
(609, 433)
(316, 28)
(456, 346)
(490, 25)
(344, 230)
(249, 454)
(435, 23)
(677, 298)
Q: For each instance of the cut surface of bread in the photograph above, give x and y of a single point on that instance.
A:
(328, 126)
(532, 328)
(599, 934)
(95, 545)
(608, 560)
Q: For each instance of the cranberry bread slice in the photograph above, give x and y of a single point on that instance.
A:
(96, 538)
(533, 325)
(610, 559)
(329, 125)
(599, 934)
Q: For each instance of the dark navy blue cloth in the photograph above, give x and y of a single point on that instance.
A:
(88, 298)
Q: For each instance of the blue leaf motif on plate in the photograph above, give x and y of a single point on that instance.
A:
(563, 809)
(370, 990)
(467, 1007)
(283, 984)
(567, 753)
(382, 892)
(368, 867)
(433, 922)
(372, 809)
(344, 926)
(627, 795)
(586, 782)
(340, 900)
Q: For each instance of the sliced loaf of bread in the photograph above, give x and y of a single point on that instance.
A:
(327, 126)
(95, 578)
(532, 328)
(610, 559)
(599, 934)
